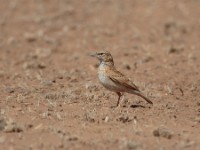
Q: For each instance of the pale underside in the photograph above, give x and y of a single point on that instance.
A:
(115, 81)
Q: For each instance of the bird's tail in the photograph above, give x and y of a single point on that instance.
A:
(144, 97)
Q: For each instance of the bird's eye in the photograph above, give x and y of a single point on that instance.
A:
(100, 53)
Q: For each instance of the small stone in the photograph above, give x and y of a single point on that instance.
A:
(90, 116)
(30, 37)
(131, 145)
(127, 66)
(124, 118)
(58, 116)
(47, 83)
(106, 119)
(9, 90)
(197, 119)
(12, 127)
(2, 123)
(29, 126)
(41, 66)
(175, 49)
(8, 125)
(73, 138)
(163, 132)
(147, 59)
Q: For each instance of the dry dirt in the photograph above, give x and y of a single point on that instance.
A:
(50, 94)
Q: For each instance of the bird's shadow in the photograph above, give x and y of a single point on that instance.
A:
(138, 106)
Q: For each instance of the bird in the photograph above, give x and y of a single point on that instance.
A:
(113, 80)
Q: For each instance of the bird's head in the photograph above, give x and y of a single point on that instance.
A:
(103, 56)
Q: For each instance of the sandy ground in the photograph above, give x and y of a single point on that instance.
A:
(50, 94)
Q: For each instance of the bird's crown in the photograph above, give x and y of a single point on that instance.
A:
(104, 56)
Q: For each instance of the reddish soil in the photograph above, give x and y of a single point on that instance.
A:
(50, 94)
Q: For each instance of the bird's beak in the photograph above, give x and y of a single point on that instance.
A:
(93, 54)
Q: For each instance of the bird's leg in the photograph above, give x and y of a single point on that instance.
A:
(119, 94)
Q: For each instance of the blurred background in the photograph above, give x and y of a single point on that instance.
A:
(48, 79)
(63, 29)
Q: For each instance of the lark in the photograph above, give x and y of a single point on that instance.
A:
(112, 79)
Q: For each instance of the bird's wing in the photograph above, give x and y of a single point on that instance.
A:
(120, 79)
